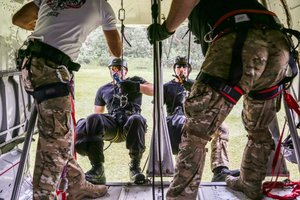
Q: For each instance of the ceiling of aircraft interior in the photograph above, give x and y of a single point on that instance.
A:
(139, 12)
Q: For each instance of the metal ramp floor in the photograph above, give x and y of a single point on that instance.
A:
(207, 191)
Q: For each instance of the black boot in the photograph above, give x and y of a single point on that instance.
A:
(96, 174)
(135, 173)
(221, 172)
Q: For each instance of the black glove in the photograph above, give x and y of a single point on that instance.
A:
(187, 85)
(158, 32)
(128, 86)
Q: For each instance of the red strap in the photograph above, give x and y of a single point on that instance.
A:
(291, 102)
(61, 195)
(268, 186)
(242, 11)
(293, 195)
(74, 123)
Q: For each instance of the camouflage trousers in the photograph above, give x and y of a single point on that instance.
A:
(55, 135)
(265, 59)
(219, 151)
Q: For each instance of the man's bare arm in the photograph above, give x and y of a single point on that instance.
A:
(114, 42)
(179, 11)
(99, 109)
(147, 89)
(26, 16)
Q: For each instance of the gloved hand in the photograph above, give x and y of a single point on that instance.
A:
(187, 85)
(128, 86)
(158, 32)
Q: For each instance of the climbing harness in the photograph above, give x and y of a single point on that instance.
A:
(240, 21)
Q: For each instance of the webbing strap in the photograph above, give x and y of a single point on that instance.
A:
(270, 185)
(231, 94)
(236, 68)
(241, 11)
(73, 125)
(44, 50)
(266, 94)
(62, 186)
(291, 102)
(50, 91)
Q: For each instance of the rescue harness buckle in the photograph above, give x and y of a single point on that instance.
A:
(232, 94)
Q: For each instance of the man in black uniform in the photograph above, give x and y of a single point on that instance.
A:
(123, 122)
(175, 92)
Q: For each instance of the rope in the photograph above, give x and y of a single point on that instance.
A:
(157, 49)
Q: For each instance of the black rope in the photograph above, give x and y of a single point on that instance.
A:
(189, 47)
(189, 43)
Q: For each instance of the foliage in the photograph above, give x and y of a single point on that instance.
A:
(95, 47)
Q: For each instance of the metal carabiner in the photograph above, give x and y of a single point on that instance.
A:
(123, 100)
(59, 76)
(208, 37)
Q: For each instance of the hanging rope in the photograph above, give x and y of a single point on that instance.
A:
(121, 17)
(189, 47)
(189, 44)
(157, 48)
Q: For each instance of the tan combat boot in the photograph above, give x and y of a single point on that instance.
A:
(78, 187)
(253, 170)
(86, 190)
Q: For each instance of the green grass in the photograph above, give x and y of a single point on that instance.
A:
(90, 78)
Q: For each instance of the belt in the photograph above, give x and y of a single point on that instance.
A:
(44, 50)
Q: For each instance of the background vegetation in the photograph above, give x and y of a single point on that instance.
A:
(94, 73)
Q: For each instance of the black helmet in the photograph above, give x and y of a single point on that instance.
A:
(182, 61)
(118, 62)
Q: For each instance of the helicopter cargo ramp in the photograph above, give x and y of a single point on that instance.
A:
(207, 191)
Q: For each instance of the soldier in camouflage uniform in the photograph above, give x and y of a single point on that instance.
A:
(245, 43)
(59, 29)
(175, 92)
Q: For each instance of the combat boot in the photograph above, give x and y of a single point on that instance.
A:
(135, 173)
(86, 190)
(253, 169)
(251, 190)
(221, 172)
(96, 174)
(78, 188)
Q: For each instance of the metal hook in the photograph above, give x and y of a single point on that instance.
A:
(59, 76)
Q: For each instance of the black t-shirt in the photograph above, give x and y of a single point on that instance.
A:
(174, 95)
(109, 95)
